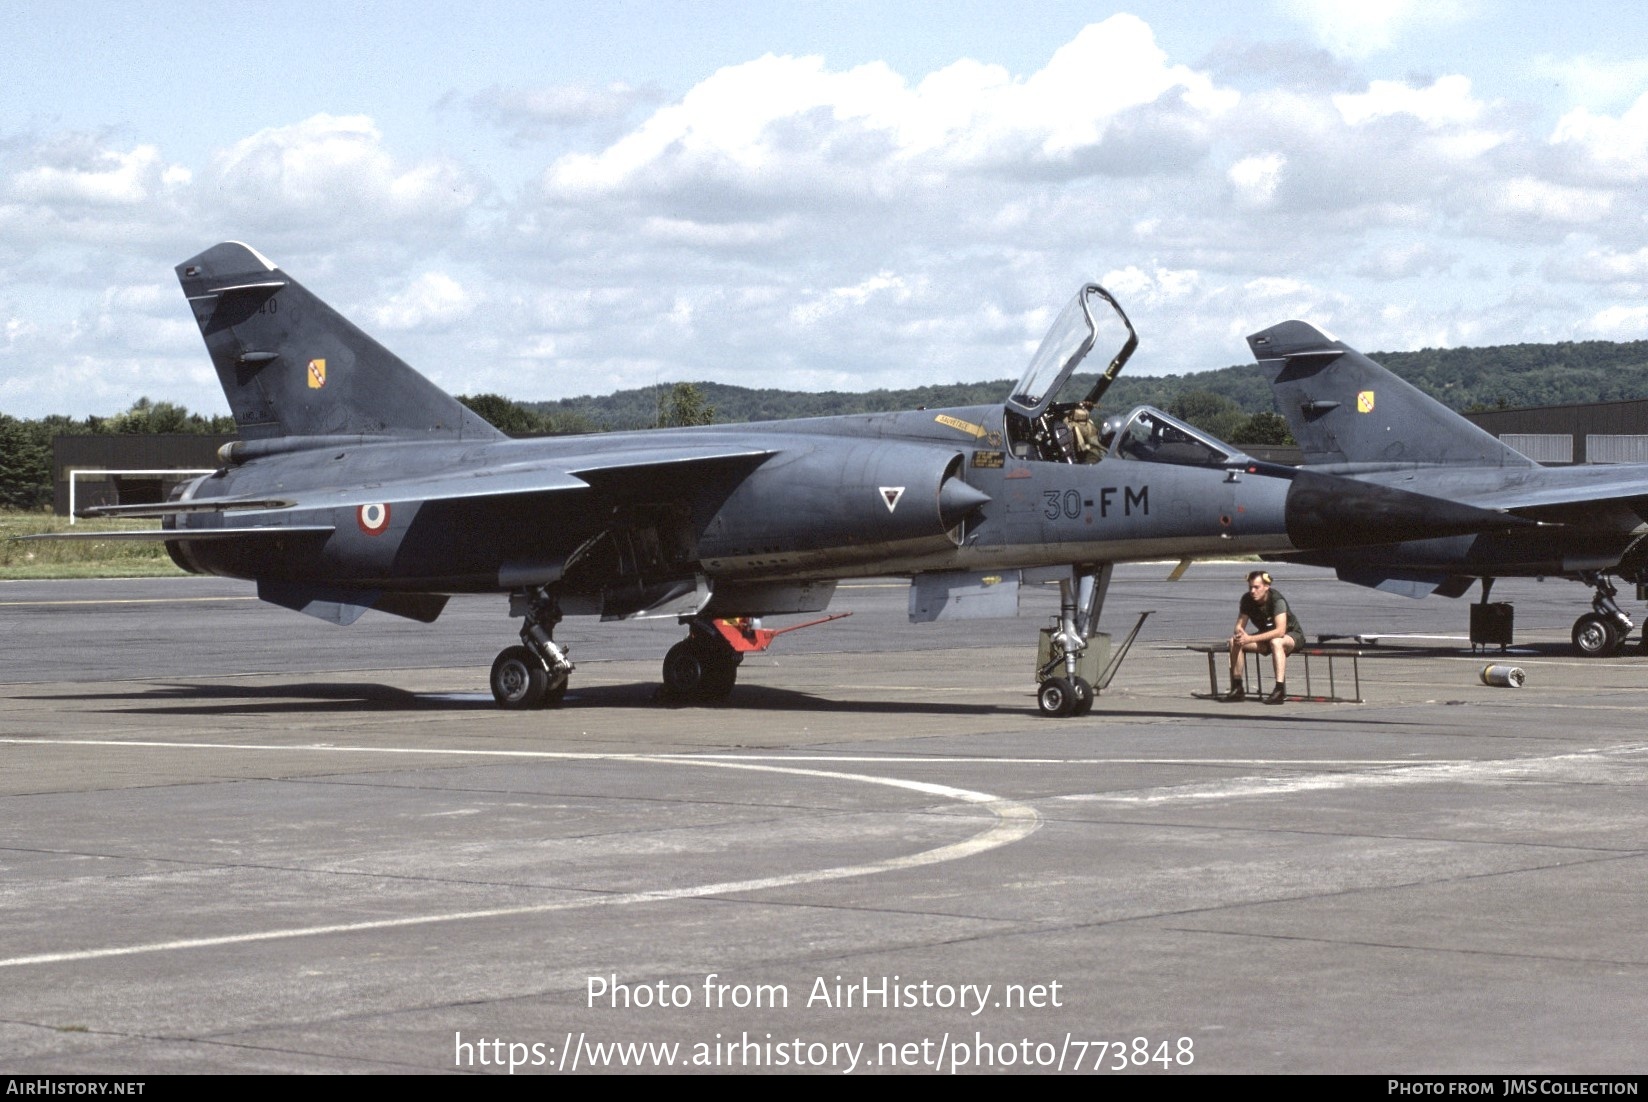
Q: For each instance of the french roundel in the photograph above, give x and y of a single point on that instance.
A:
(373, 519)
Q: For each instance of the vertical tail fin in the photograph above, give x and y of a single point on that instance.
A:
(1344, 408)
(290, 365)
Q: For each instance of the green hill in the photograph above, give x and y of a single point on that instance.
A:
(1465, 379)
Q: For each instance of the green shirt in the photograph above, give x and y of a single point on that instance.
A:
(1262, 615)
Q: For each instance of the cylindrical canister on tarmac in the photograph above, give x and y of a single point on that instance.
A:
(1503, 676)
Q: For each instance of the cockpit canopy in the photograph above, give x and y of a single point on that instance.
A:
(1041, 427)
(1151, 436)
(1072, 337)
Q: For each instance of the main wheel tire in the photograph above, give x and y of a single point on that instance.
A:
(1595, 636)
(519, 679)
(1056, 698)
(685, 668)
(723, 673)
(700, 671)
(1084, 696)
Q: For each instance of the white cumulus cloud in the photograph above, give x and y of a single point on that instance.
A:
(1529, 197)
(104, 177)
(1617, 146)
(1256, 178)
(1361, 28)
(433, 299)
(1619, 323)
(338, 169)
(1447, 101)
(779, 120)
(836, 299)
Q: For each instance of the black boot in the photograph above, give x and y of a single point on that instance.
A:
(1237, 693)
(1278, 695)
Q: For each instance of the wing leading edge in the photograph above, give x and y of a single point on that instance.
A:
(631, 476)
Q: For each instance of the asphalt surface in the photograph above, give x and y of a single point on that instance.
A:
(236, 839)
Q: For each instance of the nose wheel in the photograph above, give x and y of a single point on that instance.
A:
(1060, 697)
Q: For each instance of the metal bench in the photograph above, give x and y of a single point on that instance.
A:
(1255, 663)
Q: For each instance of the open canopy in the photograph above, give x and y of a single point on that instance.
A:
(1067, 344)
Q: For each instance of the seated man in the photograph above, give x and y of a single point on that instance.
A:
(1275, 629)
(1084, 435)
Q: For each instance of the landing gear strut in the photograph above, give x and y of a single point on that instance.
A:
(1602, 631)
(1063, 692)
(702, 667)
(534, 674)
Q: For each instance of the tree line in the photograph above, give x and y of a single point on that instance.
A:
(1465, 379)
(26, 445)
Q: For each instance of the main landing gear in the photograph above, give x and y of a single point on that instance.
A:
(702, 667)
(1063, 692)
(1602, 631)
(534, 674)
(699, 669)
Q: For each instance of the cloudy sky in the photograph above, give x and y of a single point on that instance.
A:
(546, 200)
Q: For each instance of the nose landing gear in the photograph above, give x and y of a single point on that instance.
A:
(1062, 691)
(1061, 696)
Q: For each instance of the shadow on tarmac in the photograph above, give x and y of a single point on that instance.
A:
(215, 698)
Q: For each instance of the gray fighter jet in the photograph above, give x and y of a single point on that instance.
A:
(357, 484)
(1355, 419)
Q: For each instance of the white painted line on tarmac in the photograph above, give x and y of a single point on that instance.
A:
(1591, 767)
(1012, 821)
(711, 757)
(123, 601)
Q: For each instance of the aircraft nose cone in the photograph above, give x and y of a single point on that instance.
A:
(1325, 511)
(956, 499)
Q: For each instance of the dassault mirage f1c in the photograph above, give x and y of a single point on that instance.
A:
(357, 484)
(1353, 418)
